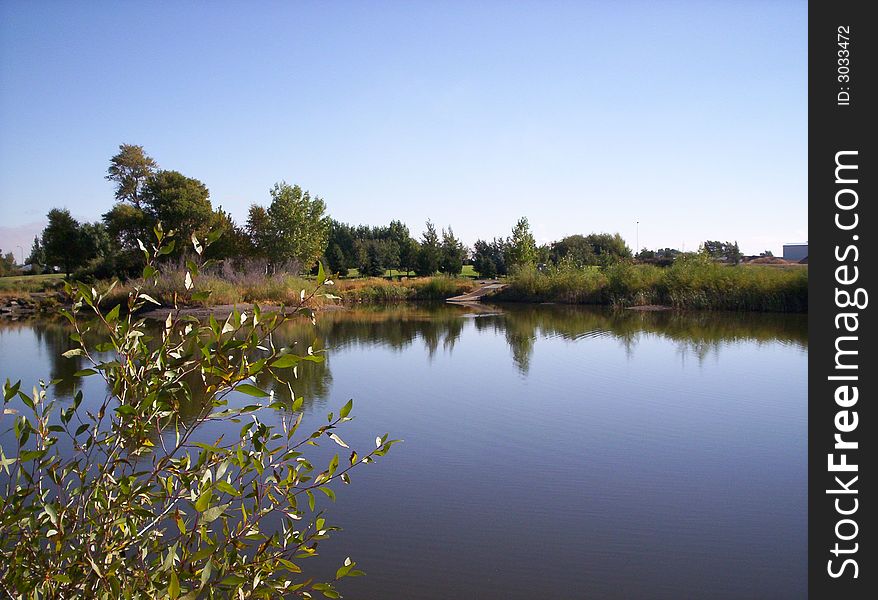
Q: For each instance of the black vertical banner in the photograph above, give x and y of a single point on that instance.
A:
(842, 260)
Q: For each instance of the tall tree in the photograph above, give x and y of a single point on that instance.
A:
(37, 256)
(7, 263)
(178, 202)
(429, 253)
(522, 249)
(371, 257)
(233, 241)
(483, 259)
(573, 250)
(259, 230)
(726, 251)
(608, 248)
(341, 251)
(130, 169)
(409, 250)
(293, 230)
(126, 224)
(62, 240)
(452, 253)
(336, 261)
(96, 240)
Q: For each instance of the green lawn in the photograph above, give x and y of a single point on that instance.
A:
(468, 271)
(31, 283)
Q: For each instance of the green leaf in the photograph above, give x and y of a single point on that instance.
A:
(168, 248)
(85, 373)
(203, 500)
(9, 391)
(346, 409)
(321, 274)
(72, 353)
(326, 589)
(149, 271)
(228, 488)
(113, 315)
(212, 514)
(31, 455)
(213, 236)
(26, 399)
(174, 587)
(285, 361)
(251, 390)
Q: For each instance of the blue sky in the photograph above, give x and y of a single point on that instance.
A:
(689, 117)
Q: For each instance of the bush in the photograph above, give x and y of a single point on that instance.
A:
(122, 498)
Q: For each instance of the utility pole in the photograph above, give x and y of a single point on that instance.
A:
(637, 237)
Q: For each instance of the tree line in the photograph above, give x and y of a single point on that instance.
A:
(293, 231)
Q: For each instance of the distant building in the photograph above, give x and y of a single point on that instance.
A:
(795, 252)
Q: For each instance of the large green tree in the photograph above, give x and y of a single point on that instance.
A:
(452, 253)
(126, 224)
(130, 169)
(341, 250)
(7, 263)
(726, 251)
(483, 262)
(522, 247)
(608, 248)
(233, 241)
(574, 250)
(96, 240)
(293, 230)
(37, 256)
(63, 241)
(429, 252)
(178, 202)
(409, 250)
(259, 231)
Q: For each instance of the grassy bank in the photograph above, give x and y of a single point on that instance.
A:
(286, 289)
(696, 284)
(25, 284)
(693, 283)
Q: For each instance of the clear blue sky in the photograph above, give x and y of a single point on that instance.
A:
(584, 116)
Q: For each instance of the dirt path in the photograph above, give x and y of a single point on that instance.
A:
(477, 294)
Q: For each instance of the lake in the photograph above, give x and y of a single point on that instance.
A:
(550, 451)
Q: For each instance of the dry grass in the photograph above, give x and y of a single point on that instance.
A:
(238, 288)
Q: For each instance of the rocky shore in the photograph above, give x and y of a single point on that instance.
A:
(26, 305)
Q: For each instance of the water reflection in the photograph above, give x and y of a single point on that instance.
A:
(696, 334)
(643, 454)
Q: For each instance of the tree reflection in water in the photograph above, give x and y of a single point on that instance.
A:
(401, 328)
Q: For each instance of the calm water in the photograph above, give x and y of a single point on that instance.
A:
(551, 452)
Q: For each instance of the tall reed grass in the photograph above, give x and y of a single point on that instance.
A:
(689, 283)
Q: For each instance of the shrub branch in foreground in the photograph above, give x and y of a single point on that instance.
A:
(121, 498)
